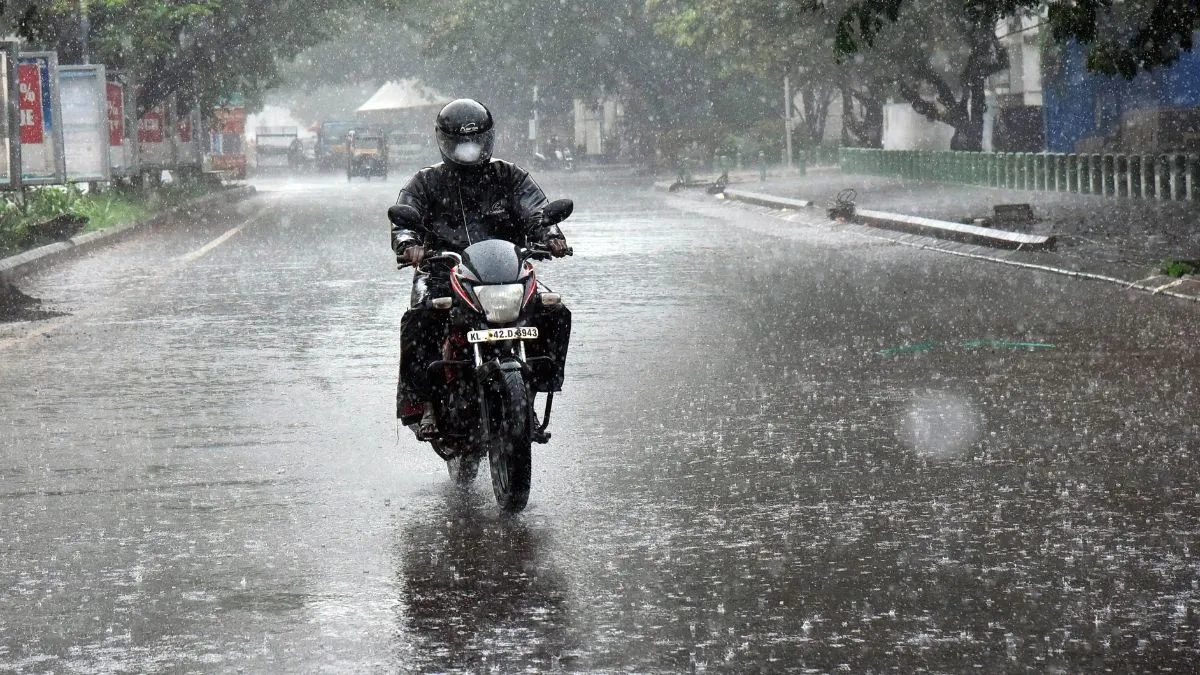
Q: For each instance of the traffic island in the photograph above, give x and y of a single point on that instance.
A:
(968, 234)
(941, 229)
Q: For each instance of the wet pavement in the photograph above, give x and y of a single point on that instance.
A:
(781, 447)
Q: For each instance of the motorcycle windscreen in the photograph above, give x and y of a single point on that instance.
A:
(493, 261)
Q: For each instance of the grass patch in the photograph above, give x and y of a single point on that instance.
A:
(115, 206)
(1174, 267)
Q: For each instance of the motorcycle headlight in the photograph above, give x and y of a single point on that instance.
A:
(501, 304)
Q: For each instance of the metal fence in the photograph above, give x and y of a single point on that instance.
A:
(1163, 177)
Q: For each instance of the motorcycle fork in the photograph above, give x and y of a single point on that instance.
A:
(485, 416)
(540, 432)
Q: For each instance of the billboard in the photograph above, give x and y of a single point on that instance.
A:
(120, 146)
(85, 122)
(155, 149)
(42, 159)
(227, 140)
(188, 153)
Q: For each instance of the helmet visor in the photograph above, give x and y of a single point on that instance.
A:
(472, 150)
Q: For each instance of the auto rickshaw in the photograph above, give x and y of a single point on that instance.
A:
(367, 150)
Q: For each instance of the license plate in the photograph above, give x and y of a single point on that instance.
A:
(500, 334)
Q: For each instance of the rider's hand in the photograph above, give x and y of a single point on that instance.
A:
(413, 255)
(557, 246)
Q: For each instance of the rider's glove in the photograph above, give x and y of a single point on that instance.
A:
(558, 246)
(411, 254)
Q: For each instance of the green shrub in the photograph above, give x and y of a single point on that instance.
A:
(1174, 267)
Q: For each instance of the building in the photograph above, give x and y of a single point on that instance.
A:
(1156, 112)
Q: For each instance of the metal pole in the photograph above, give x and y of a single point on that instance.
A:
(84, 29)
(787, 119)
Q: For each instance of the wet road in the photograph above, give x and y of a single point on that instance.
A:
(780, 448)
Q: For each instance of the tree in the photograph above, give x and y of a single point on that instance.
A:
(936, 55)
(200, 50)
(1125, 38)
(590, 51)
(771, 40)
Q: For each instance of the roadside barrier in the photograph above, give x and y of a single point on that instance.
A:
(1166, 177)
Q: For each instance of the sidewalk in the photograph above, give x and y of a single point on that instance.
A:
(1117, 240)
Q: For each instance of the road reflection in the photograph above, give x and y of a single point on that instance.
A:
(478, 590)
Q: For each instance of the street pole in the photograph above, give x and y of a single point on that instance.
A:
(533, 123)
(84, 29)
(787, 119)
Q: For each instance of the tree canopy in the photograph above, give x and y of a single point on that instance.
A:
(201, 50)
(1124, 38)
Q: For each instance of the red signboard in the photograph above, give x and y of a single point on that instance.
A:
(231, 120)
(29, 77)
(116, 114)
(184, 130)
(150, 125)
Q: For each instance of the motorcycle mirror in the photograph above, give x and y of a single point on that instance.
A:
(558, 211)
(403, 215)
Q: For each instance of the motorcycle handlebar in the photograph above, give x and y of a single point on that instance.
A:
(535, 252)
(445, 256)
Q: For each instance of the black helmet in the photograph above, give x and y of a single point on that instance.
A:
(465, 133)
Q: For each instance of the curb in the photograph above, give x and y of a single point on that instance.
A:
(767, 200)
(972, 234)
(941, 229)
(1185, 288)
(17, 266)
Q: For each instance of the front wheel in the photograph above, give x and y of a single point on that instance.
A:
(510, 453)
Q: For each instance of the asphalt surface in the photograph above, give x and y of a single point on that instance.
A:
(783, 446)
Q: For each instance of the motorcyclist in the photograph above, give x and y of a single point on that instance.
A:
(466, 198)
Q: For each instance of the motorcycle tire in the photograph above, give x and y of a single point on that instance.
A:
(510, 456)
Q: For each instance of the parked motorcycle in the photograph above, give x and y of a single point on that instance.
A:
(484, 404)
(560, 158)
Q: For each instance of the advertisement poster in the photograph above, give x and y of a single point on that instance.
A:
(42, 160)
(227, 142)
(120, 150)
(85, 122)
(155, 150)
(188, 153)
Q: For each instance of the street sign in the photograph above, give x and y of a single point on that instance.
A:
(42, 158)
(85, 121)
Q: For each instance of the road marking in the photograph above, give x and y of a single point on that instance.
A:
(207, 248)
(46, 327)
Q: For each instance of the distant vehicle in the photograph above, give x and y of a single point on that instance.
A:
(331, 144)
(411, 148)
(367, 154)
(554, 156)
(302, 154)
(272, 146)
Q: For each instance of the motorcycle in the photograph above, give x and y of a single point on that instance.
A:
(556, 159)
(484, 405)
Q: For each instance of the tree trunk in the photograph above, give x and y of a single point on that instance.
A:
(865, 130)
(968, 132)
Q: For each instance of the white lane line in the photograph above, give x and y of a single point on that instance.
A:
(207, 248)
(43, 328)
